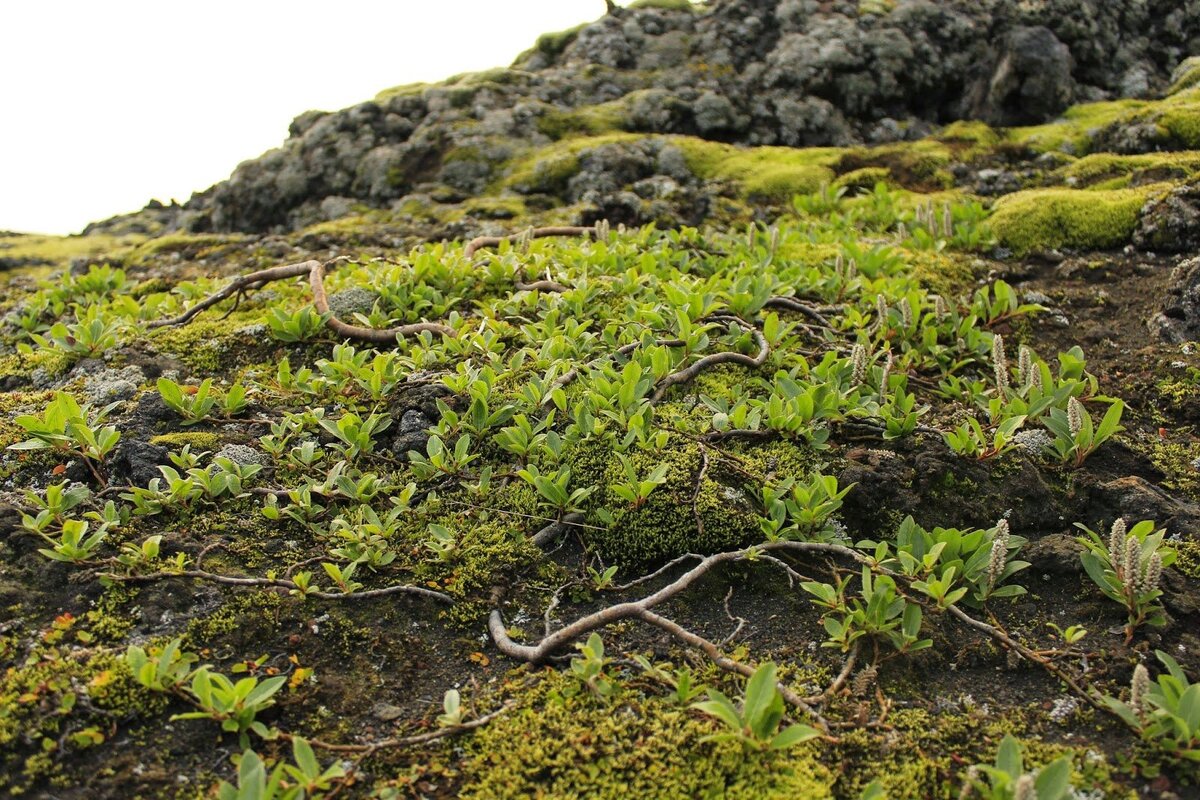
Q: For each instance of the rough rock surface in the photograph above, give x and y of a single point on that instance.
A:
(758, 72)
(1179, 319)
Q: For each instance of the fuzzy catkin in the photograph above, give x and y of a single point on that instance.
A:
(1000, 362)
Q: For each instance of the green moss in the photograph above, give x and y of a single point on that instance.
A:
(915, 165)
(403, 90)
(212, 345)
(863, 180)
(1045, 219)
(665, 525)
(1175, 460)
(558, 123)
(1181, 121)
(1073, 132)
(973, 132)
(669, 5)
(765, 173)
(1186, 75)
(547, 169)
(59, 251)
(551, 45)
(189, 245)
(55, 692)
(197, 440)
(1099, 167)
(555, 746)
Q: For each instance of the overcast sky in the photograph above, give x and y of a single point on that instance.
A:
(106, 105)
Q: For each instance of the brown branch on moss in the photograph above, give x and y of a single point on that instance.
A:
(623, 350)
(480, 242)
(728, 357)
(404, 741)
(279, 583)
(792, 304)
(568, 634)
(315, 271)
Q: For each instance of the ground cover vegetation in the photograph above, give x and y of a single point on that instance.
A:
(868, 485)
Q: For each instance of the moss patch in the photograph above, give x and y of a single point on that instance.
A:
(554, 746)
(1046, 219)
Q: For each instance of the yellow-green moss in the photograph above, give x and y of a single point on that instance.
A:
(197, 440)
(557, 747)
(917, 165)
(1186, 75)
(1098, 167)
(1181, 121)
(1073, 132)
(767, 173)
(863, 180)
(558, 123)
(664, 526)
(59, 251)
(669, 5)
(1045, 219)
(190, 245)
(974, 132)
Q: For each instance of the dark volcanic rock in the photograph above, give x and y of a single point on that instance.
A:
(1179, 319)
(1171, 223)
(755, 72)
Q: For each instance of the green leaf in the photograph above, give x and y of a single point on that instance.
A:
(1053, 780)
(1008, 757)
(793, 735)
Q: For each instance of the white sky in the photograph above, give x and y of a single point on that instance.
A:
(105, 105)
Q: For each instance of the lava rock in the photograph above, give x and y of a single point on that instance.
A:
(1170, 224)
(136, 462)
(1179, 318)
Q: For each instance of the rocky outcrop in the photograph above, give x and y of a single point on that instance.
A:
(757, 72)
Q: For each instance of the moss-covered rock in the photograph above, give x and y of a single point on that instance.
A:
(1047, 219)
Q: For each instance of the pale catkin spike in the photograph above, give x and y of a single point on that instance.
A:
(1152, 575)
(1075, 414)
(1139, 688)
(886, 374)
(881, 311)
(1116, 542)
(1025, 789)
(902, 230)
(774, 240)
(602, 230)
(864, 680)
(1000, 362)
(1130, 564)
(1024, 364)
(1035, 379)
(839, 266)
(851, 269)
(948, 221)
(939, 307)
(751, 235)
(858, 359)
(968, 789)
(906, 313)
(996, 562)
